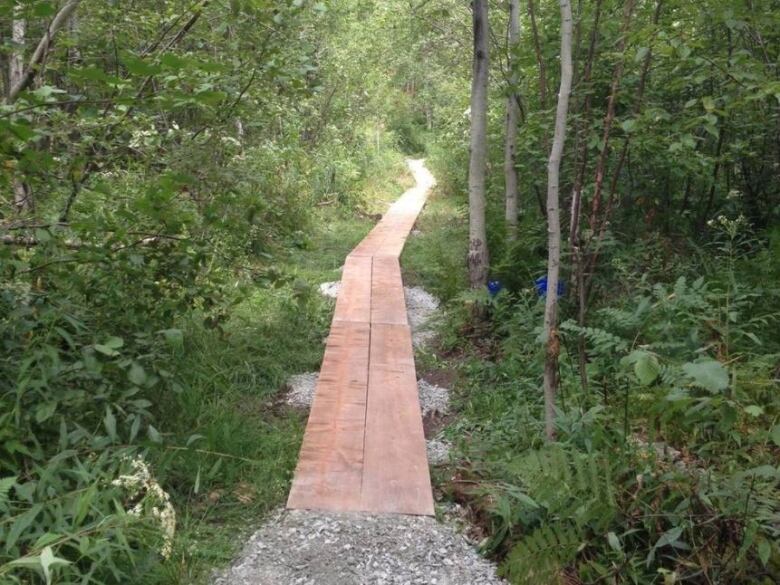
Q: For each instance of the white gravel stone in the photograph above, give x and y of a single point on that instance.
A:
(301, 389)
(421, 307)
(438, 452)
(330, 289)
(433, 399)
(311, 548)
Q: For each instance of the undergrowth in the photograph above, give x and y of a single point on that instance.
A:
(665, 465)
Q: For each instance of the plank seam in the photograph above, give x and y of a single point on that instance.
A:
(368, 376)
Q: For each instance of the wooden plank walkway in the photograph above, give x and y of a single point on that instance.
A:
(364, 447)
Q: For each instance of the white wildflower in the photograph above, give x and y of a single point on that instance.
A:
(154, 500)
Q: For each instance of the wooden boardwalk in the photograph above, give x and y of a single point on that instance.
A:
(364, 448)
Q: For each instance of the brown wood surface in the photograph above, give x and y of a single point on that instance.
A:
(330, 463)
(364, 447)
(354, 300)
(395, 467)
(387, 292)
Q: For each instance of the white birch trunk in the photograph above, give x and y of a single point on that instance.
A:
(478, 252)
(22, 201)
(512, 118)
(554, 225)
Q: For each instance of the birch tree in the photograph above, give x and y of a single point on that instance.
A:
(554, 224)
(478, 252)
(512, 115)
(22, 199)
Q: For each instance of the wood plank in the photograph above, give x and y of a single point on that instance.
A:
(364, 447)
(354, 300)
(330, 464)
(387, 292)
(395, 465)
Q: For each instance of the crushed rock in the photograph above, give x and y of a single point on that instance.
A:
(433, 399)
(438, 452)
(300, 547)
(301, 389)
(330, 289)
(421, 306)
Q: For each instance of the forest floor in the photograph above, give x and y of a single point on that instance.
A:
(346, 549)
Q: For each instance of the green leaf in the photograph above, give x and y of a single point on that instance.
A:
(138, 66)
(21, 524)
(46, 539)
(628, 125)
(154, 434)
(114, 342)
(137, 374)
(48, 560)
(46, 91)
(754, 410)
(45, 411)
(669, 537)
(775, 434)
(708, 374)
(174, 337)
(764, 551)
(614, 542)
(43, 235)
(172, 61)
(109, 421)
(110, 346)
(647, 368)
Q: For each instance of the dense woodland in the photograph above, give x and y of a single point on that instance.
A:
(178, 176)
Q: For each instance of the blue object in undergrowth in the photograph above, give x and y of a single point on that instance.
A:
(541, 286)
(494, 287)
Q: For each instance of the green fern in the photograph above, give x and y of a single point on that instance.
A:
(542, 556)
(602, 341)
(571, 496)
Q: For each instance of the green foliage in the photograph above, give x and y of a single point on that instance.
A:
(196, 170)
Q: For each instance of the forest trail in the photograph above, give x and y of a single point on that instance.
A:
(364, 448)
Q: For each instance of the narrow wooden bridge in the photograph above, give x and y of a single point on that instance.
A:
(364, 448)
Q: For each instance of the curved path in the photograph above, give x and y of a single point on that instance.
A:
(364, 448)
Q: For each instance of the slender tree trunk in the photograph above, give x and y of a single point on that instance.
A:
(604, 220)
(580, 258)
(601, 163)
(22, 195)
(478, 252)
(581, 165)
(512, 117)
(539, 56)
(554, 225)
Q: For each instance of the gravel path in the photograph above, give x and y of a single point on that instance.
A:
(311, 548)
